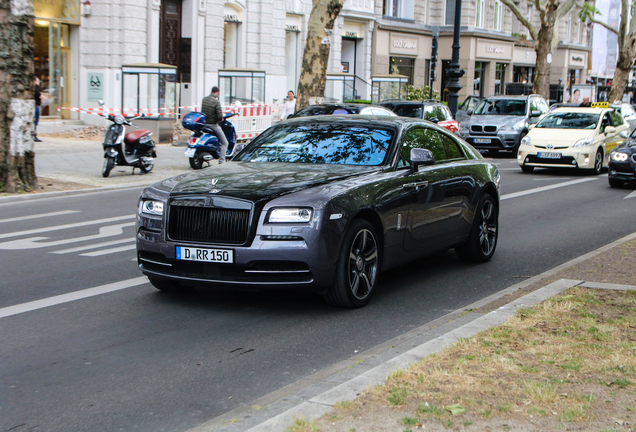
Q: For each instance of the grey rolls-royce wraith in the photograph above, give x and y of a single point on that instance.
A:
(321, 204)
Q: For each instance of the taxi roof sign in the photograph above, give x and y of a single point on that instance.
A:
(600, 105)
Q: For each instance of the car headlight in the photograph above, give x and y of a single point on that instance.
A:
(526, 141)
(520, 125)
(290, 215)
(619, 157)
(151, 207)
(119, 119)
(585, 142)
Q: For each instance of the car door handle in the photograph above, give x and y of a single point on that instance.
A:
(415, 185)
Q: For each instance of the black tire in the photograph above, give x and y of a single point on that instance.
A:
(109, 163)
(515, 149)
(147, 164)
(358, 267)
(615, 183)
(482, 240)
(196, 162)
(598, 163)
(168, 286)
(527, 169)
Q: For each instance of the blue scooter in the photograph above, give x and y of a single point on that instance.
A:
(203, 145)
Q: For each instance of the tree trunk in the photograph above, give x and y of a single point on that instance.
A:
(313, 77)
(542, 47)
(621, 75)
(17, 106)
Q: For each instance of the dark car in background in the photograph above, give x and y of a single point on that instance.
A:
(431, 110)
(341, 109)
(321, 204)
(622, 162)
(501, 122)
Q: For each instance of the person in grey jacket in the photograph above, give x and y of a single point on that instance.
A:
(211, 109)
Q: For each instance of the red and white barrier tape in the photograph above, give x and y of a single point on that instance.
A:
(256, 110)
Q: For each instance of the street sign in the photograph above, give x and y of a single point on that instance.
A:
(95, 86)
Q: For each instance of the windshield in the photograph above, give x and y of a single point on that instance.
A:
(508, 107)
(569, 120)
(323, 110)
(321, 144)
(410, 110)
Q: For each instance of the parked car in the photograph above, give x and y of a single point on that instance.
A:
(469, 104)
(627, 112)
(564, 105)
(341, 109)
(500, 122)
(573, 138)
(430, 110)
(321, 204)
(622, 162)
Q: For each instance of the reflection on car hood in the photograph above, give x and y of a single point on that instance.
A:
(496, 120)
(628, 146)
(558, 136)
(258, 180)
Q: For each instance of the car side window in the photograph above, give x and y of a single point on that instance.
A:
(617, 119)
(449, 114)
(441, 114)
(430, 112)
(605, 122)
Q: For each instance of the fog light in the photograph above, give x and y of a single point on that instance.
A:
(574, 162)
(527, 160)
(612, 172)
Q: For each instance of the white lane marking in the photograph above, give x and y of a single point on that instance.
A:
(68, 226)
(631, 195)
(69, 297)
(93, 246)
(22, 218)
(110, 251)
(545, 188)
(36, 242)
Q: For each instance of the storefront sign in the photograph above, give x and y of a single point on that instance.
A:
(67, 11)
(95, 86)
(403, 45)
(578, 59)
(493, 49)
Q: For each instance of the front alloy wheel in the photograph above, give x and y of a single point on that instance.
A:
(482, 240)
(358, 267)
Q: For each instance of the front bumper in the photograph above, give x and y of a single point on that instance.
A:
(625, 171)
(299, 262)
(582, 157)
(507, 140)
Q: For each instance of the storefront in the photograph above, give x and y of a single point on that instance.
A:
(55, 38)
(571, 68)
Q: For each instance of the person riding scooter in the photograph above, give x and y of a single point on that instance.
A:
(211, 108)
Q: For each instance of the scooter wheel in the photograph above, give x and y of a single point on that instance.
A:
(196, 162)
(147, 164)
(109, 163)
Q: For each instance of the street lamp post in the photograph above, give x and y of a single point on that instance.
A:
(454, 72)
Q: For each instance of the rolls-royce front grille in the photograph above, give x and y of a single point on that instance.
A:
(208, 225)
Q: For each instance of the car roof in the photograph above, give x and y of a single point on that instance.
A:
(366, 120)
(582, 110)
(513, 97)
(339, 105)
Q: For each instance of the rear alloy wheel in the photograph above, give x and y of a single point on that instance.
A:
(615, 183)
(109, 163)
(482, 240)
(527, 169)
(598, 163)
(358, 267)
(168, 286)
(196, 162)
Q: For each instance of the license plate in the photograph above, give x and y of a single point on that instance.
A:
(548, 155)
(190, 152)
(205, 255)
(482, 141)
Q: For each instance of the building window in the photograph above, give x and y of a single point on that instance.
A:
(403, 9)
(498, 16)
(291, 58)
(450, 12)
(479, 13)
(500, 76)
(529, 14)
(404, 66)
(478, 85)
(523, 74)
(230, 45)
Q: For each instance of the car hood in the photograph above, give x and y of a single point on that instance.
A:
(255, 181)
(628, 146)
(495, 120)
(561, 137)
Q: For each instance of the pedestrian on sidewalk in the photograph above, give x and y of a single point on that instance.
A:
(290, 106)
(38, 102)
(211, 109)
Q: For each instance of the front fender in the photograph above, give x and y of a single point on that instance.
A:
(110, 152)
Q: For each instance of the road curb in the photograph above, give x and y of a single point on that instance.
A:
(345, 380)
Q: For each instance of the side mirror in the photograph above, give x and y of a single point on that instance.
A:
(101, 103)
(421, 157)
(624, 134)
(610, 129)
(469, 112)
(535, 114)
(434, 120)
(530, 127)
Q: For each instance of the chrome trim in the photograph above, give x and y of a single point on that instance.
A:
(155, 262)
(276, 271)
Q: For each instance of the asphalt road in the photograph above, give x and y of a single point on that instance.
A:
(138, 359)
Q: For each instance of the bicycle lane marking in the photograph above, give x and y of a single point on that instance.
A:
(67, 226)
(23, 218)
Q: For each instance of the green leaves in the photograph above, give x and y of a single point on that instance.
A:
(455, 409)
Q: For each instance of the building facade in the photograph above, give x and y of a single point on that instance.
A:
(83, 47)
